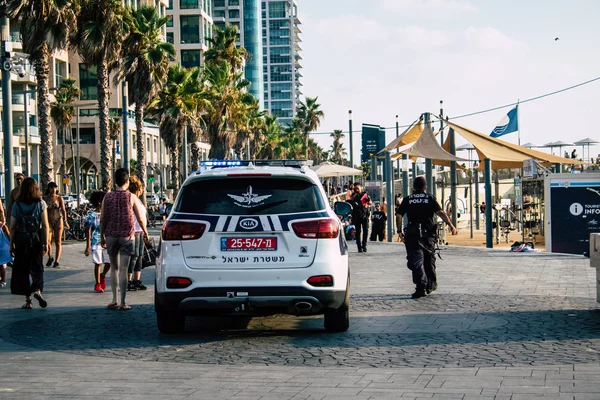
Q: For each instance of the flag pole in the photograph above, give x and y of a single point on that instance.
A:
(518, 123)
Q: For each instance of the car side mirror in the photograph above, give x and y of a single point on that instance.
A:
(342, 208)
(168, 209)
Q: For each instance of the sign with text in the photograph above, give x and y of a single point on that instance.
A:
(529, 168)
(373, 141)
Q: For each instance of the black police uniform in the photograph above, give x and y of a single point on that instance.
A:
(419, 238)
(360, 219)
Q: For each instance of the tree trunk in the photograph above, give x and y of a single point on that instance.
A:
(306, 144)
(174, 158)
(195, 158)
(74, 165)
(42, 72)
(219, 149)
(141, 148)
(63, 158)
(106, 160)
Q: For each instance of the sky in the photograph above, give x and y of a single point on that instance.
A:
(382, 58)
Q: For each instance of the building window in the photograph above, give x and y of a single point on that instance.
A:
(281, 73)
(60, 72)
(219, 14)
(190, 29)
(188, 4)
(220, 25)
(190, 58)
(155, 150)
(234, 13)
(234, 2)
(88, 80)
(277, 9)
(219, 3)
(170, 21)
(133, 142)
(170, 7)
(148, 144)
(170, 37)
(86, 135)
(280, 55)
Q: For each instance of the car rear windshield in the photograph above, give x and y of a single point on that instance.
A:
(249, 196)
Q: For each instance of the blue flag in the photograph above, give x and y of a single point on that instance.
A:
(509, 124)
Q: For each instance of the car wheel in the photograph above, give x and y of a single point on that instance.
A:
(338, 320)
(170, 322)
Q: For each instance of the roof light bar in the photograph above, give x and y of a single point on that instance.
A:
(259, 163)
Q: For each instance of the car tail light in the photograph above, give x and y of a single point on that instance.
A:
(178, 283)
(176, 230)
(317, 229)
(320, 280)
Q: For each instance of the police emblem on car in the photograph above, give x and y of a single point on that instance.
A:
(248, 223)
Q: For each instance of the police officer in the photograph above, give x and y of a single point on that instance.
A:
(419, 235)
(360, 202)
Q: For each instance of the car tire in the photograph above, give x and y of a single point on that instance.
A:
(170, 323)
(338, 320)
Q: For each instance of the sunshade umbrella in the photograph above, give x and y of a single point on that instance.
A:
(467, 146)
(560, 144)
(328, 169)
(587, 141)
(530, 145)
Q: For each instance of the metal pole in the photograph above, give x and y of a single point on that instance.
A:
(7, 128)
(389, 194)
(350, 138)
(160, 166)
(397, 134)
(442, 144)
(26, 111)
(477, 226)
(78, 181)
(184, 155)
(428, 163)
(373, 167)
(489, 234)
(404, 175)
(471, 202)
(453, 177)
(125, 128)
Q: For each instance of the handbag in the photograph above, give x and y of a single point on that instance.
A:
(149, 256)
(5, 256)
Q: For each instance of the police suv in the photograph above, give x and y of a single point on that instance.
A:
(253, 239)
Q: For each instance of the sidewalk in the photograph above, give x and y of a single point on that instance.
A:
(501, 326)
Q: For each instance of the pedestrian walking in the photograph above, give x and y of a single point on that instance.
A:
(117, 234)
(4, 222)
(360, 202)
(29, 242)
(57, 218)
(93, 247)
(13, 195)
(135, 264)
(378, 225)
(420, 236)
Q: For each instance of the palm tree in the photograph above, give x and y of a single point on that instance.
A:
(114, 133)
(310, 114)
(271, 145)
(252, 126)
(98, 39)
(294, 141)
(223, 48)
(44, 27)
(174, 108)
(337, 151)
(144, 65)
(224, 100)
(62, 112)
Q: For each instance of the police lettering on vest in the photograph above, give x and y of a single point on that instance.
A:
(420, 208)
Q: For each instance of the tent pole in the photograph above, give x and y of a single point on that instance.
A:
(397, 134)
(453, 177)
(404, 178)
(489, 234)
(477, 225)
(389, 194)
(428, 163)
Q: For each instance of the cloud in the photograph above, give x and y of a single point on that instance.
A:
(448, 7)
(350, 27)
(490, 39)
(416, 37)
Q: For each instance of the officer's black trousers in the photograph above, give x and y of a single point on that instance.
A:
(362, 232)
(420, 253)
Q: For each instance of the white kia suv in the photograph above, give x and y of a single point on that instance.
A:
(253, 239)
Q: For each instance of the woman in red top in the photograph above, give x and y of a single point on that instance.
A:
(117, 234)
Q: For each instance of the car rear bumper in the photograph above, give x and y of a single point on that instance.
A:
(250, 301)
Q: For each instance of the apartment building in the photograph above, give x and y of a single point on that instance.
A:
(281, 58)
(189, 25)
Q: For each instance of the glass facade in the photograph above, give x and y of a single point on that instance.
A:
(190, 29)
(190, 58)
(88, 82)
(253, 44)
(277, 9)
(188, 4)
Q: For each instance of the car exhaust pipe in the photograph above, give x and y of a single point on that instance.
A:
(304, 306)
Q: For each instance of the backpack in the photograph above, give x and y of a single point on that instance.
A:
(28, 233)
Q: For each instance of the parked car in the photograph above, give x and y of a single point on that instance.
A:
(69, 201)
(152, 200)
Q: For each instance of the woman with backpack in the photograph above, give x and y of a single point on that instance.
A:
(29, 243)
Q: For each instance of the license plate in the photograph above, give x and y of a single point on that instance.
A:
(248, 244)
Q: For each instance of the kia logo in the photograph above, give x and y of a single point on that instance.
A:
(248, 223)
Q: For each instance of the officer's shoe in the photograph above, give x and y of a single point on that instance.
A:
(360, 250)
(364, 249)
(419, 293)
(432, 289)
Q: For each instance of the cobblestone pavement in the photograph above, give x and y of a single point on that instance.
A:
(501, 326)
